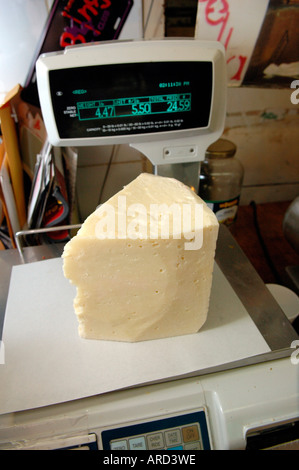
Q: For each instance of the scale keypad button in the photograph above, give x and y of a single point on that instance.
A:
(119, 445)
(155, 441)
(173, 437)
(137, 443)
(190, 433)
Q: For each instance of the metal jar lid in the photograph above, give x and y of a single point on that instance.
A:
(222, 148)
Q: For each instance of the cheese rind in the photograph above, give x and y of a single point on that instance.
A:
(143, 288)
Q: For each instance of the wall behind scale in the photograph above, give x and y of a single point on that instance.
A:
(263, 123)
(261, 40)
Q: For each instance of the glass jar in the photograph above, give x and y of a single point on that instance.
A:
(220, 180)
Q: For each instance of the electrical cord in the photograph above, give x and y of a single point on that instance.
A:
(263, 244)
(148, 17)
(268, 257)
(113, 153)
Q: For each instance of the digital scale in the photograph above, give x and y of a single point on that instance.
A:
(165, 98)
(234, 384)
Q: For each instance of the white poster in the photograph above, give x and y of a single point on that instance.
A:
(236, 24)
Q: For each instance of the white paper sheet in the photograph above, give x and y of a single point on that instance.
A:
(46, 362)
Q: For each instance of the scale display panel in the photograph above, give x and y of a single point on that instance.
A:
(166, 98)
(131, 99)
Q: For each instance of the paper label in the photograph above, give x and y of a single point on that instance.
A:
(225, 211)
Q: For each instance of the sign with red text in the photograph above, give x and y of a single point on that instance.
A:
(75, 22)
(236, 24)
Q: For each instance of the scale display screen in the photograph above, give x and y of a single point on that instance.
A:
(131, 98)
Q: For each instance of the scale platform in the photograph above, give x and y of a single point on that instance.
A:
(46, 362)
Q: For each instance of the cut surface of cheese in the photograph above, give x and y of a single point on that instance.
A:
(142, 263)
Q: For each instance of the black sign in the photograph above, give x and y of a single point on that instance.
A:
(73, 22)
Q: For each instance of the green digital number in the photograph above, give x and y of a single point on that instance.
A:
(177, 106)
(104, 112)
(141, 108)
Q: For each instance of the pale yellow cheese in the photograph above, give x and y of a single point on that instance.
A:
(137, 274)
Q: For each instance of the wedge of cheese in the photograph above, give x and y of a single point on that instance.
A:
(142, 263)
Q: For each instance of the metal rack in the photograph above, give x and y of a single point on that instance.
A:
(22, 233)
